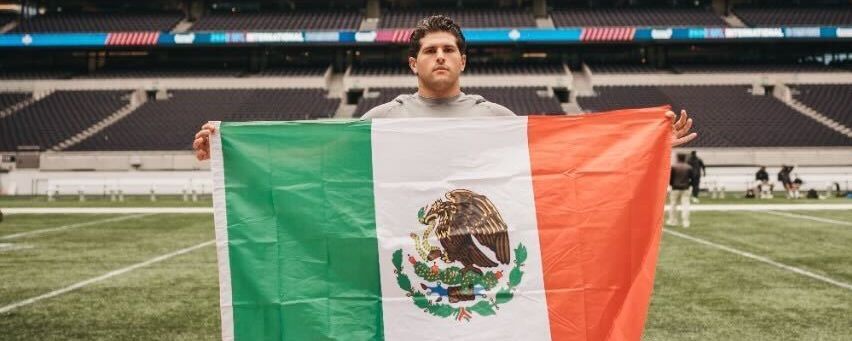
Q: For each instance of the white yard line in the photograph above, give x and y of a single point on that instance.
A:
(812, 218)
(13, 247)
(196, 210)
(761, 259)
(105, 210)
(772, 207)
(105, 276)
(67, 227)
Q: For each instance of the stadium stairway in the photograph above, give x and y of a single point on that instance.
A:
(784, 94)
(545, 22)
(336, 90)
(582, 84)
(183, 26)
(137, 98)
(9, 26)
(733, 21)
(37, 95)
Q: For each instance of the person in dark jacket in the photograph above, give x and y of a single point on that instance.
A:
(681, 181)
(698, 170)
(785, 180)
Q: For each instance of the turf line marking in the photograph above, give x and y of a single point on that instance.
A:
(761, 259)
(68, 227)
(12, 247)
(209, 210)
(808, 217)
(105, 276)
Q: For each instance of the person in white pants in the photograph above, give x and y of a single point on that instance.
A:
(681, 182)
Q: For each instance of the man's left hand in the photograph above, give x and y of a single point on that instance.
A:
(680, 131)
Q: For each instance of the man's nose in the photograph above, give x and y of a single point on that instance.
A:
(440, 56)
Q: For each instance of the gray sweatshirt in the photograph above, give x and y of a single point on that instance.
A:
(415, 105)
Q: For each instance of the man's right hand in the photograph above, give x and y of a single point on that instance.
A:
(201, 145)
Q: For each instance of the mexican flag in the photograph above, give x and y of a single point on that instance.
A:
(519, 228)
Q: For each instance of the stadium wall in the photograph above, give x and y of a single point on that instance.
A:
(175, 172)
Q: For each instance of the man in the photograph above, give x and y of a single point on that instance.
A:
(698, 171)
(763, 185)
(784, 179)
(680, 180)
(437, 58)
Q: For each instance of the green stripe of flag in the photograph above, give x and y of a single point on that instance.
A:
(302, 231)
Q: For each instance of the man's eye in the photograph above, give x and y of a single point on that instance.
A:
(429, 51)
(449, 50)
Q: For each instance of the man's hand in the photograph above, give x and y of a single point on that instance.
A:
(680, 133)
(201, 145)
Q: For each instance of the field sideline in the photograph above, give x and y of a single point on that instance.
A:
(749, 275)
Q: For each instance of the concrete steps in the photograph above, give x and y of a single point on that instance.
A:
(137, 98)
(25, 103)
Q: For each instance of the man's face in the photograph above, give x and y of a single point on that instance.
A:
(439, 61)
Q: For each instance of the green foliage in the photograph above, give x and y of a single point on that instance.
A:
(483, 308)
(397, 260)
(515, 276)
(403, 282)
(503, 295)
(520, 254)
(452, 276)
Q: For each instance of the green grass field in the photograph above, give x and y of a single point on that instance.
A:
(104, 201)
(206, 201)
(701, 292)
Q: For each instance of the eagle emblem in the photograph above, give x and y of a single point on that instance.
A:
(467, 274)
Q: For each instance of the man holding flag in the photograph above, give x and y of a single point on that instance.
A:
(409, 227)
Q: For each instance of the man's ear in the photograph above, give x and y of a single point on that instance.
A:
(464, 62)
(412, 64)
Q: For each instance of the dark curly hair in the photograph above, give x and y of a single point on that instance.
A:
(435, 23)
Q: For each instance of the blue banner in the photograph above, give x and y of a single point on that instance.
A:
(53, 39)
(569, 35)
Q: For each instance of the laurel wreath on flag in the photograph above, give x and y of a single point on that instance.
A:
(453, 276)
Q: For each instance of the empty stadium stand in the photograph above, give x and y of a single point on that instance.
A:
(6, 17)
(57, 117)
(161, 73)
(11, 74)
(579, 17)
(833, 101)
(380, 96)
(471, 18)
(271, 21)
(753, 68)
(99, 22)
(627, 68)
(165, 124)
(470, 69)
(293, 71)
(8, 99)
(729, 116)
(521, 100)
(795, 16)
